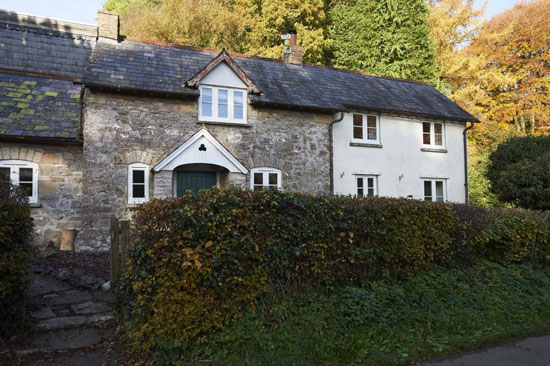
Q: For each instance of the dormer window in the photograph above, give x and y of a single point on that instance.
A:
(219, 104)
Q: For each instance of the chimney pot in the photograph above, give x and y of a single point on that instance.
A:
(108, 25)
(293, 38)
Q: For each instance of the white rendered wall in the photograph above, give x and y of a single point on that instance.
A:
(222, 75)
(400, 164)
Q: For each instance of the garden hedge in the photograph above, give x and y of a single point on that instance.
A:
(16, 227)
(519, 172)
(201, 261)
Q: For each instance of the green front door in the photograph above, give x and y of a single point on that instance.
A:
(194, 182)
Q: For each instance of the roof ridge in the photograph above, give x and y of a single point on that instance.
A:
(365, 73)
(241, 55)
(197, 48)
(173, 45)
(43, 31)
(29, 21)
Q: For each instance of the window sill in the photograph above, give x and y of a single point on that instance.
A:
(35, 205)
(426, 149)
(229, 124)
(365, 144)
(134, 205)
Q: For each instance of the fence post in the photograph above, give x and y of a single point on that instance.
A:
(115, 262)
(124, 243)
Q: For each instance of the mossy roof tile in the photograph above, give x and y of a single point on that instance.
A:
(32, 114)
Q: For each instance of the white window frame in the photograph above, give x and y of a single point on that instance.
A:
(365, 129)
(265, 179)
(230, 105)
(432, 144)
(434, 196)
(14, 166)
(138, 167)
(365, 186)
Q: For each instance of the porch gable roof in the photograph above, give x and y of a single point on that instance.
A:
(201, 148)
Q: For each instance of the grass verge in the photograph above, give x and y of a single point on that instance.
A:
(381, 323)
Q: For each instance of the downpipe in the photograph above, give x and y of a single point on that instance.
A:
(331, 150)
(466, 181)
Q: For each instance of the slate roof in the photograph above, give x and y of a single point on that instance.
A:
(164, 68)
(24, 48)
(32, 106)
(39, 60)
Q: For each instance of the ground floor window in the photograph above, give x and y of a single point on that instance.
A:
(138, 183)
(23, 174)
(367, 186)
(265, 178)
(434, 190)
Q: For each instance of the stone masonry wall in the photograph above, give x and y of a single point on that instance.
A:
(59, 187)
(119, 130)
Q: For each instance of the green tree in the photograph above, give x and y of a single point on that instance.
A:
(516, 46)
(121, 6)
(388, 37)
(519, 172)
(205, 23)
(271, 18)
(248, 26)
(453, 24)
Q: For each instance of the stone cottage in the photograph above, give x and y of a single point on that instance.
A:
(93, 124)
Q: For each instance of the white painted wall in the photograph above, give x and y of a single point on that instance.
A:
(400, 163)
(222, 75)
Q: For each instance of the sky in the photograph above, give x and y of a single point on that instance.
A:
(493, 7)
(84, 11)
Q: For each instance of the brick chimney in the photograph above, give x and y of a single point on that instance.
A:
(294, 53)
(108, 25)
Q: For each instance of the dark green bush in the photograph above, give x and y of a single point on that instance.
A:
(519, 172)
(503, 235)
(200, 262)
(15, 243)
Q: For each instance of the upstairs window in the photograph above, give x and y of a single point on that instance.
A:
(23, 174)
(434, 190)
(222, 105)
(433, 135)
(367, 186)
(366, 128)
(138, 183)
(262, 178)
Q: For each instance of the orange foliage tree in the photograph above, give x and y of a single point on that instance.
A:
(516, 45)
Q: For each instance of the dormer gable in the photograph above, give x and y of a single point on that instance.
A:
(222, 71)
(223, 75)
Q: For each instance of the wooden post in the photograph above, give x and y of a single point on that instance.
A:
(124, 243)
(115, 261)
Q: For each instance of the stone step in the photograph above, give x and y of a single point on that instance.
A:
(44, 313)
(44, 285)
(67, 298)
(61, 322)
(67, 322)
(67, 339)
(90, 307)
(101, 319)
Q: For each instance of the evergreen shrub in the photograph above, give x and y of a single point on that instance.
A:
(16, 227)
(200, 262)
